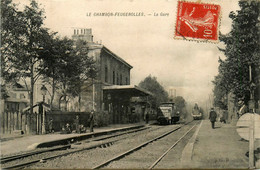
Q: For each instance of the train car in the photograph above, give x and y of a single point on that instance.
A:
(167, 113)
(196, 112)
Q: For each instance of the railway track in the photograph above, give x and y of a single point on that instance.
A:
(135, 149)
(100, 138)
(170, 148)
(15, 157)
(101, 144)
(24, 164)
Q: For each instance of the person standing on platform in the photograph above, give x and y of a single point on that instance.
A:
(147, 117)
(50, 125)
(212, 117)
(224, 117)
(91, 121)
(76, 123)
(67, 128)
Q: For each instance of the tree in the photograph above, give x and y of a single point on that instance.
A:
(11, 35)
(23, 45)
(220, 91)
(67, 67)
(30, 52)
(180, 104)
(57, 67)
(159, 94)
(241, 50)
(87, 70)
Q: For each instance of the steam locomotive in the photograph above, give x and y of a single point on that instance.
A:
(196, 112)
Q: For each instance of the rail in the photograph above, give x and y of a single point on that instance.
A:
(168, 150)
(104, 144)
(137, 147)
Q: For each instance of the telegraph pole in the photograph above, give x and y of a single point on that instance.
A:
(93, 97)
(252, 121)
(251, 88)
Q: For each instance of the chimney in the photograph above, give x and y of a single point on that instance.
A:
(83, 34)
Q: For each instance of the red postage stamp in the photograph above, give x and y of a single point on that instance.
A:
(197, 21)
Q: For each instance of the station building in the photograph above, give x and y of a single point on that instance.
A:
(111, 91)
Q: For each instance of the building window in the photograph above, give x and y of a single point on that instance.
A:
(106, 73)
(13, 106)
(114, 78)
(126, 80)
(120, 79)
(117, 79)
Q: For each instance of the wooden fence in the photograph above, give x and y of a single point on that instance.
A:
(16, 121)
(12, 121)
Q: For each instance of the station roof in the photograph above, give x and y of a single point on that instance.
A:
(94, 46)
(132, 90)
(117, 57)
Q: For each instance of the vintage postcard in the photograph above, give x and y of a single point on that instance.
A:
(130, 84)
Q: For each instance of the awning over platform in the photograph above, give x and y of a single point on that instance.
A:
(131, 90)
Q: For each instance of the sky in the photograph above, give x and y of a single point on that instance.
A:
(146, 42)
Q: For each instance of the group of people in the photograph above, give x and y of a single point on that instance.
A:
(79, 128)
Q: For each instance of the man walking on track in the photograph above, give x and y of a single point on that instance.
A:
(212, 117)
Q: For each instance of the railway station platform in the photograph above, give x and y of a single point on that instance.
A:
(12, 144)
(221, 147)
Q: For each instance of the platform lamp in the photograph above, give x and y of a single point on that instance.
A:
(43, 92)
